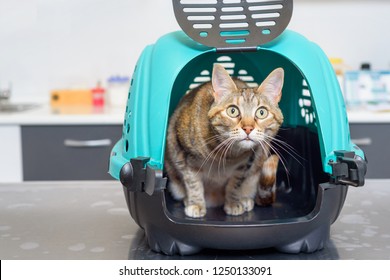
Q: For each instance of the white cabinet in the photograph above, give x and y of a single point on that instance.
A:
(10, 154)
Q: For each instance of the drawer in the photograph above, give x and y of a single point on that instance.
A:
(76, 152)
(374, 140)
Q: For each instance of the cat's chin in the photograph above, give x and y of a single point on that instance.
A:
(247, 144)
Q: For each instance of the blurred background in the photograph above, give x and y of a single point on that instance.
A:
(47, 44)
(66, 66)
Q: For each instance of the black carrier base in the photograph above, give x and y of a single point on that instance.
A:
(299, 221)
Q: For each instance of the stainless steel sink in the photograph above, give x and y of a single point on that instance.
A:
(7, 106)
(16, 107)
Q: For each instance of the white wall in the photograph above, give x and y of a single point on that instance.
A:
(46, 44)
(355, 30)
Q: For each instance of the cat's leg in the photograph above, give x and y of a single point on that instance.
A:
(176, 189)
(266, 193)
(185, 183)
(175, 186)
(240, 193)
(194, 202)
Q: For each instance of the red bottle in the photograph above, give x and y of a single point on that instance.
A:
(98, 96)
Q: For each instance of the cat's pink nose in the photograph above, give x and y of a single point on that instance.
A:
(248, 129)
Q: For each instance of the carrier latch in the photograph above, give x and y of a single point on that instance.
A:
(349, 169)
(138, 176)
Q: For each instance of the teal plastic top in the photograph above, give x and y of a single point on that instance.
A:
(148, 108)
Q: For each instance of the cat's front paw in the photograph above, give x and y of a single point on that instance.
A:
(195, 211)
(265, 198)
(239, 207)
(248, 204)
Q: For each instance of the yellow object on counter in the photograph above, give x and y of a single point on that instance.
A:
(73, 110)
(338, 65)
(66, 97)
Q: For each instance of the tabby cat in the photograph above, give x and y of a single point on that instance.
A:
(219, 144)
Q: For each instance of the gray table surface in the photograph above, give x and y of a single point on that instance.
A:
(90, 220)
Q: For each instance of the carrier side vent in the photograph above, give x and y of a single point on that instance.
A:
(305, 103)
(127, 117)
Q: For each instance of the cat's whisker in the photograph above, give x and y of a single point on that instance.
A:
(228, 146)
(282, 160)
(213, 154)
(285, 147)
(280, 156)
(214, 138)
(265, 150)
(221, 156)
(209, 156)
(222, 153)
(211, 140)
(284, 143)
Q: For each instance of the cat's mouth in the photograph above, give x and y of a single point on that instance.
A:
(247, 138)
(247, 142)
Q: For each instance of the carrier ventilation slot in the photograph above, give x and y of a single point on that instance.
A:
(230, 66)
(305, 104)
(126, 123)
(233, 23)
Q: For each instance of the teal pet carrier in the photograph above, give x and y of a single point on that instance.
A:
(249, 39)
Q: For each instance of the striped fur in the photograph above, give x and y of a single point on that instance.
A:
(214, 156)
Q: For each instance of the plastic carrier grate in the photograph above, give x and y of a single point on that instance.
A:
(227, 62)
(230, 24)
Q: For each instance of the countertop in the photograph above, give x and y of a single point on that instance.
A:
(90, 220)
(366, 116)
(79, 115)
(68, 115)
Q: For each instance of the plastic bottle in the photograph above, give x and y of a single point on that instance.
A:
(117, 90)
(98, 95)
(365, 84)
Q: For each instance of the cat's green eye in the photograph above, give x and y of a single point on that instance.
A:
(261, 113)
(233, 111)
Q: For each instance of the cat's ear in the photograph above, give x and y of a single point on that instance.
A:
(222, 82)
(272, 85)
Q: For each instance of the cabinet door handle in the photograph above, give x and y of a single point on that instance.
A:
(362, 141)
(87, 143)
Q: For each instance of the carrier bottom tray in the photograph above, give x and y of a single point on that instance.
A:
(299, 220)
(288, 206)
(284, 226)
(297, 188)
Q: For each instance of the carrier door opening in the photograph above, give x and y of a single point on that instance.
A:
(297, 143)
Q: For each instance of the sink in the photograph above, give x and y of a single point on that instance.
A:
(16, 107)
